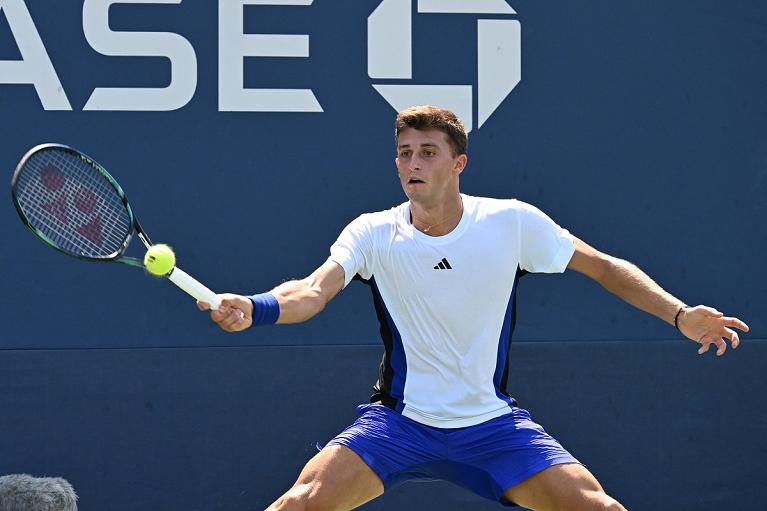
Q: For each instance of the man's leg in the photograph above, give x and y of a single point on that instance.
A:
(335, 479)
(568, 487)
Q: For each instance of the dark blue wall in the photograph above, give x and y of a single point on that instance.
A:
(641, 127)
(221, 428)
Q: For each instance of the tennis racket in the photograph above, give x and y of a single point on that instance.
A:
(74, 205)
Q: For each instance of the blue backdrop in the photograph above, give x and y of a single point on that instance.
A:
(642, 128)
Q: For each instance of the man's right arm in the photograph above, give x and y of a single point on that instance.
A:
(299, 300)
(303, 299)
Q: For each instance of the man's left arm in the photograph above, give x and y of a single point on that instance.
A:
(704, 325)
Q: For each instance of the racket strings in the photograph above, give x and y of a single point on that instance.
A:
(72, 204)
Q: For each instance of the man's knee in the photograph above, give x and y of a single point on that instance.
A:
(613, 505)
(582, 500)
(600, 501)
(303, 497)
(335, 479)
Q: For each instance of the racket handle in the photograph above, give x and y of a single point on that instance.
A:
(194, 287)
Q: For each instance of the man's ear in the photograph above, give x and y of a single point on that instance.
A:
(460, 163)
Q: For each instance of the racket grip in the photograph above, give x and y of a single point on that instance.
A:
(194, 287)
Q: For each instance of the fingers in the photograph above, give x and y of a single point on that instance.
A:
(732, 335)
(735, 322)
(719, 341)
(242, 306)
(240, 303)
(234, 314)
(721, 346)
(219, 314)
(230, 319)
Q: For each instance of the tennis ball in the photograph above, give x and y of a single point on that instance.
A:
(159, 260)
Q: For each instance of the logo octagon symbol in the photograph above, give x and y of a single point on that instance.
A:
(390, 54)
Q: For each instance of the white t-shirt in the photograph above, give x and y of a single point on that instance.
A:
(446, 303)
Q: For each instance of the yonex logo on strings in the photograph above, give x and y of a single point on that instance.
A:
(84, 200)
(389, 58)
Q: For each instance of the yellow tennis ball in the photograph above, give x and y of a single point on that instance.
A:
(159, 260)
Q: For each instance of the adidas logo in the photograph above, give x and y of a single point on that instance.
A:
(443, 265)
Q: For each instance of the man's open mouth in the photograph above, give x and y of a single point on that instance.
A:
(414, 180)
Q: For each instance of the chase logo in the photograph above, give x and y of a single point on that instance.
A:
(390, 51)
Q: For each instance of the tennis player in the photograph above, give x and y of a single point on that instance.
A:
(443, 269)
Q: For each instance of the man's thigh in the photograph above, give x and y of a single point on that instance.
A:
(335, 478)
(566, 486)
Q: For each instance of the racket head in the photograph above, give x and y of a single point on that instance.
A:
(72, 203)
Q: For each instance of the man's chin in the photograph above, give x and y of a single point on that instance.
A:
(413, 192)
(413, 195)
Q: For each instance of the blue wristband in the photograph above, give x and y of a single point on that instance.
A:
(266, 309)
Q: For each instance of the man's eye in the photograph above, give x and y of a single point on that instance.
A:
(404, 154)
(428, 153)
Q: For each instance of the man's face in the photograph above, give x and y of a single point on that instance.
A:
(428, 171)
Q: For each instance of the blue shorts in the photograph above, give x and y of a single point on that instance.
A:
(486, 458)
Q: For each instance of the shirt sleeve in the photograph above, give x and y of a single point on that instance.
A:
(352, 250)
(545, 247)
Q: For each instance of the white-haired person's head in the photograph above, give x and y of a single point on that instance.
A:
(23, 492)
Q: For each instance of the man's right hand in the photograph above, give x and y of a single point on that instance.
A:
(235, 313)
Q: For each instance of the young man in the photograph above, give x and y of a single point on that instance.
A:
(443, 269)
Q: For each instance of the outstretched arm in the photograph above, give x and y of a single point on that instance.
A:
(299, 300)
(704, 325)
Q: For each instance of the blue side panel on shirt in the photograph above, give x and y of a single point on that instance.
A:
(394, 359)
(501, 375)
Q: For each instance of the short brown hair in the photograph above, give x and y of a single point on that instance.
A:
(427, 117)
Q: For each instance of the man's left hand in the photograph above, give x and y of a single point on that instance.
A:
(707, 326)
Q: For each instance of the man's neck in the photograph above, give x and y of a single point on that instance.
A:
(437, 219)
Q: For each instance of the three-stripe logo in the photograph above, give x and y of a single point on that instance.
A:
(443, 265)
